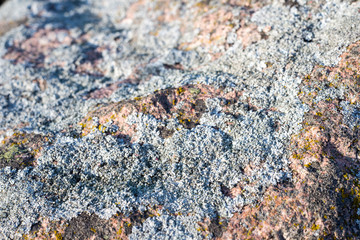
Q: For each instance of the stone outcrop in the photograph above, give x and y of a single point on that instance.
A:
(179, 119)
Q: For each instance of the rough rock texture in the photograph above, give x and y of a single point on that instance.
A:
(185, 119)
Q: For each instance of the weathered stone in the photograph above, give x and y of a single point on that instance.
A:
(191, 119)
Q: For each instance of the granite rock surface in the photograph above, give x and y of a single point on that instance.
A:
(152, 119)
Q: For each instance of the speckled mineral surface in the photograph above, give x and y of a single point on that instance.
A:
(153, 119)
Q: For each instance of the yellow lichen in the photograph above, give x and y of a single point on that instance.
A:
(315, 227)
(58, 235)
(119, 231)
(268, 64)
(180, 90)
(297, 156)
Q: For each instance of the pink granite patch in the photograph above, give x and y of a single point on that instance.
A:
(186, 103)
(39, 48)
(212, 22)
(35, 49)
(90, 226)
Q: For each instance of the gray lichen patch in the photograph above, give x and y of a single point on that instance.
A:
(166, 226)
(193, 164)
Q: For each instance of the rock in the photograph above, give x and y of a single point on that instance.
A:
(182, 120)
